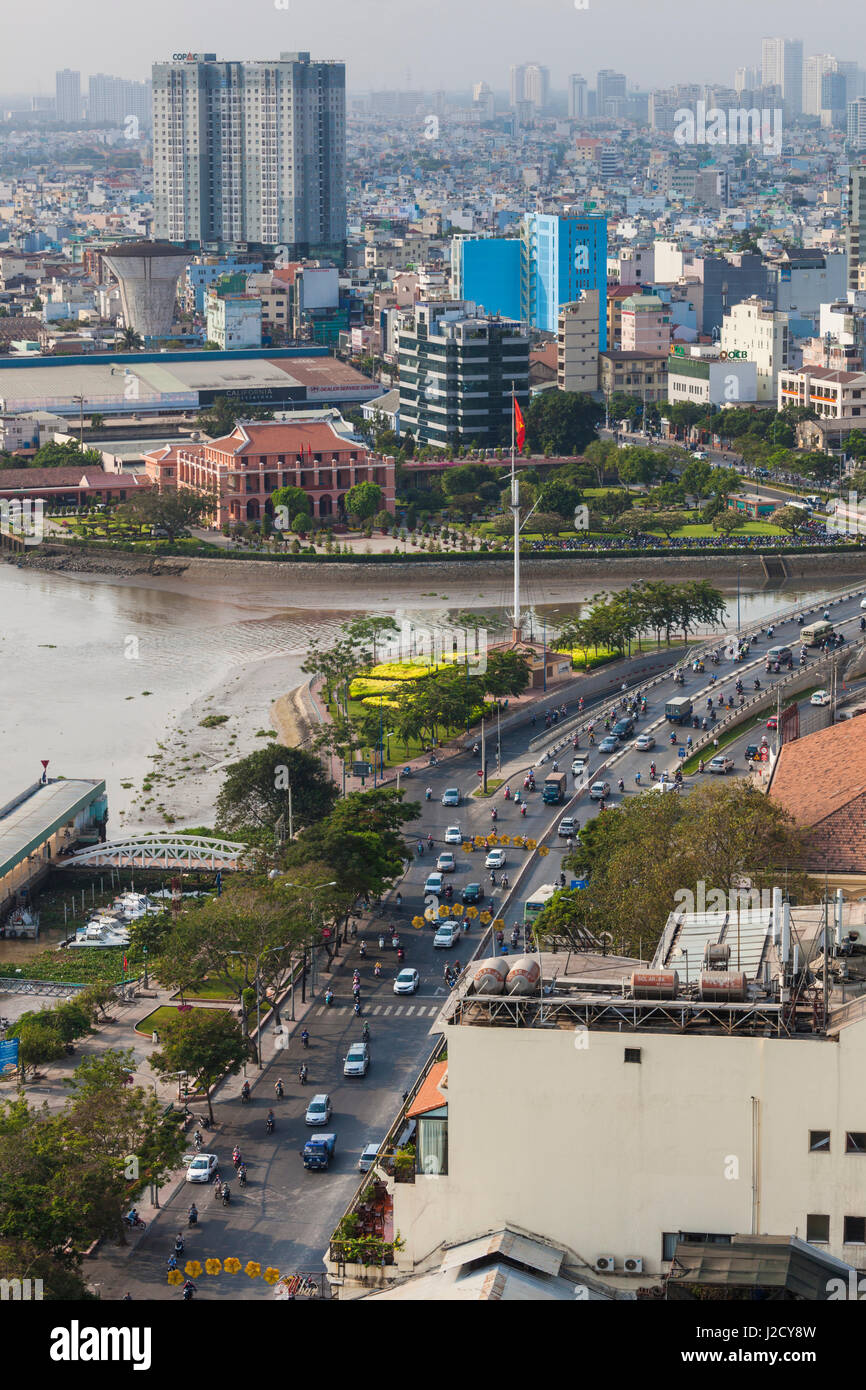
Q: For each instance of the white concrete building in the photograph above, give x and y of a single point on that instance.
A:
(251, 152)
(756, 329)
(700, 375)
(578, 344)
(832, 395)
(709, 1096)
(234, 320)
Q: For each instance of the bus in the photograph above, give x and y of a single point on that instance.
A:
(539, 900)
(816, 633)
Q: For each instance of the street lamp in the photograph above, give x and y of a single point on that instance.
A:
(308, 888)
(259, 958)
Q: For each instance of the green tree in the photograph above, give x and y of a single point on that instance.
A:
(289, 502)
(255, 790)
(566, 420)
(363, 500)
(130, 340)
(207, 1044)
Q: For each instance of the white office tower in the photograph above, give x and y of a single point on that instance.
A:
(67, 87)
(576, 97)
(251, 153)
(782, 66)
(516, 82)
(536, 86)
(814, 70)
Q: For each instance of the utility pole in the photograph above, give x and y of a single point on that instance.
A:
(515, 510)
(483, 760)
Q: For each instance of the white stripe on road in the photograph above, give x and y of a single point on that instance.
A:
(320, 1011)
(398, 1010)
(378, 1009)
(431, 1013)
(388, 1009)
(410, 1010)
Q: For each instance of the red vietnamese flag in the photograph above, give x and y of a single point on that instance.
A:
(519, 425)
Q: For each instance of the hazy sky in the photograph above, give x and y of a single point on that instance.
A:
(425, 43)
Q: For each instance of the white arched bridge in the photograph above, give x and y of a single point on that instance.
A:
(161, 850)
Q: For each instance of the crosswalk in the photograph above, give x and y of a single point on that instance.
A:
(386, 1010)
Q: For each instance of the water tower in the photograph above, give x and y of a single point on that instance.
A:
(148, 272)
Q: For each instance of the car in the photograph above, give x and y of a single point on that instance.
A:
(644, 742)
(473, 893)
(568, 826)
(369, 1154)
(609, 744)
(599, 790)
(446, 935)
(720, 763)
(407, 981)
(623, 727)
(451, 797)
(356, 1060)
(752, 750)
(863, 603)
(445, 863)
(773, 722)
(814, 500)
(579, 765)
(821, 697)
(701, 455)
(454, 835)
(434, 884)
(783, 655)
(202, 1168)
(318, 1110)
(495, 859)
(762, 473)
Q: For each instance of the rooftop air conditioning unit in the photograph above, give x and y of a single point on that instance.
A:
(632, 1265)
(604, 1264)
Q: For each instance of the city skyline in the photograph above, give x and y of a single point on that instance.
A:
(624, 35)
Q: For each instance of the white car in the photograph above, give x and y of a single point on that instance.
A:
(495, 859)
(644, 742)
(863, 603)
(445, 863)
(407, 981)
(318, 1110)
(821, 697)
(368, 1156)
(579, 764)
(356, 1060)
(202, 1168)
(454, 835)
(599, 790)
(446, 935)
(434, 885)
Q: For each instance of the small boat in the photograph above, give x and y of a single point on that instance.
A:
(101, 931)
(21, 923)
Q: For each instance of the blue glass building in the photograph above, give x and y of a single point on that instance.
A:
(486, 270)
(559, 257)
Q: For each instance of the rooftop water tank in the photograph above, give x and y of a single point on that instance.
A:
(489, 977)
(654, 984)
(524, 976)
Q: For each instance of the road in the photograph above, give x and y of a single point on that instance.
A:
(286, 1214)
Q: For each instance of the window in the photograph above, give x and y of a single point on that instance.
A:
(632, 1054)
(818, 1230)
(855, 1142)
(855, 1230)
(670, 1238)
(819, 1141)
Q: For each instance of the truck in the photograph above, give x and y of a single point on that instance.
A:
(678, 710)
(554, 788)
(318, 1151)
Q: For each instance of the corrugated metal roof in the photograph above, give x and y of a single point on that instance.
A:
(781, 1262)
(526, 1251)
(34, 820)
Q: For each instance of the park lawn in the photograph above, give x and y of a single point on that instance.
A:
(698, 529)
(210, 989)
(493, 785)
(416, 747)
(159, 1017)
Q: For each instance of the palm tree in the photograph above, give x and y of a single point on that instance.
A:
(130, 340)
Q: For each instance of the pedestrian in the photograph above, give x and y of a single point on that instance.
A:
(715, 743)
(154, 1038)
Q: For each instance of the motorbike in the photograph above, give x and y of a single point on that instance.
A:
(302, 1075)
(401, 956)
(523, 810)
(377, 970)
(428, 794)
(362, 949)
(192, 1216)
(226, 1195)
(189, 1289)
(270, 1124)
(245, 1094)
(329, 997)
(358, 1008)
(242, 1176)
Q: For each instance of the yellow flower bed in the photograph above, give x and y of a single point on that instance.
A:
(374, 701)
(364, 685)
(407, 670)
(584, 658)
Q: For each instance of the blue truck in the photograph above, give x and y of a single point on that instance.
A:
(318, 1151)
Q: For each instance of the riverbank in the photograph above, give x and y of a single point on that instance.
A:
(241, 576)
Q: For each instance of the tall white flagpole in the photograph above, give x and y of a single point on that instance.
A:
(515, 508)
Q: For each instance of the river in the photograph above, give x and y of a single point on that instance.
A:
(111, 679)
